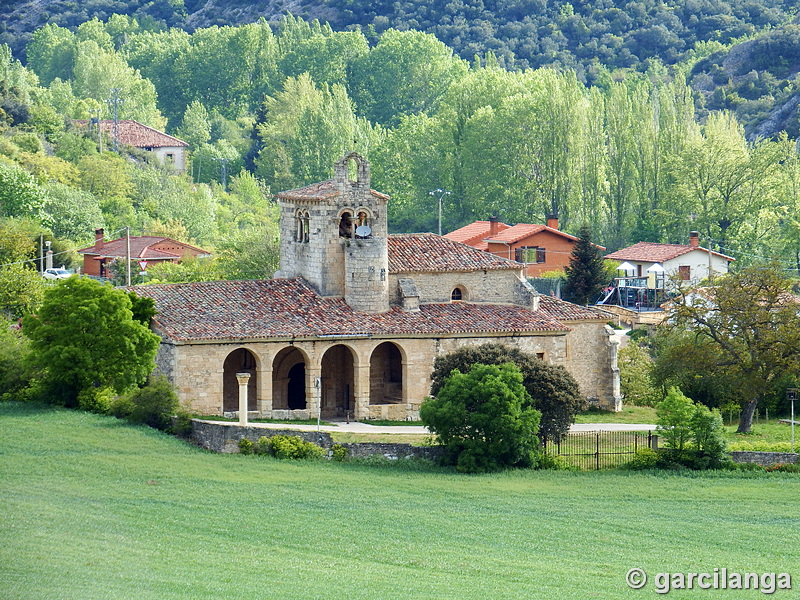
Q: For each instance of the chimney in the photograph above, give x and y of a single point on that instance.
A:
(494, 224)
(552, 221)
(99, 234)
(694, 239)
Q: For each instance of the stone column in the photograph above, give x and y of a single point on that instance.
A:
(265, 392)
(361, 391)
(243, 379)
(313, 391)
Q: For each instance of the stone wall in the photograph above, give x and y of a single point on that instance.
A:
(764, 458)
(224, 437)
(490, 287)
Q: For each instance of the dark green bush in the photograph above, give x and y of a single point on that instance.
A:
(154, 404)
(645, 458)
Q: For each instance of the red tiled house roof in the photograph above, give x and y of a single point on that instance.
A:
(431, 253)
(133, 133)
(141, 248)
(290, 308)
(656, 253)
(474, 234)
(566, 311)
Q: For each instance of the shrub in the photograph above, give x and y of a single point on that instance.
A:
(339, 453)
(552, 390)
(783, 468)
(554, 462)
(761, 446)
(708, 431)
(291, 446)
(96, 400)
(154, 404)
(246, 446)
(674, 416)
(182, 423)
(484, 419)
(645, 458)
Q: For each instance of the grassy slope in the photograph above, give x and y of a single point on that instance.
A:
(93, 508)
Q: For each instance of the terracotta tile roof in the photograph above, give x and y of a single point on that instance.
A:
(288, 308)
(656, 253)
(566, 311)
(318, 191)
(474, 234)
(140, 248)
(428, 252)
(137, 135)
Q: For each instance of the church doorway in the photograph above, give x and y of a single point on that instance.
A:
(289, 380)
(240, 360)
(386, 375)
(338, 389)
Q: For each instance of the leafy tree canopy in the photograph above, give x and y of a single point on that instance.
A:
(84, 335)
(484, 419)
(551, 389)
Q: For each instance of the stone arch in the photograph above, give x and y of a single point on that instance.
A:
(240, 360)
(342, 169)
(345, 222)
(289, 379)
(338, 382)
(386, 374)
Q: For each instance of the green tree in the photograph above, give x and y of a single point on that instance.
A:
(20, 195)
(554, 392)
(636, 375)
(675, 413)
(749, 321)
(586, 273)
(75, 213)
(484, 419)
(84, 336)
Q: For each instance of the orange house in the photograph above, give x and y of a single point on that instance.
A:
(540, 248)
(151, 249)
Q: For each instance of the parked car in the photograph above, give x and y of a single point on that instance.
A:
(60, 273)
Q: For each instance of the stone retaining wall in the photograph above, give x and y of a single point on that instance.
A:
(222, 436)
(764, 458)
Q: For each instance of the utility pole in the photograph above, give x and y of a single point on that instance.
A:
(442, 193)
(127, 256)
(114, 101)
(710, 271)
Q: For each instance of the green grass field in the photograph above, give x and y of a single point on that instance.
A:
(95, 508)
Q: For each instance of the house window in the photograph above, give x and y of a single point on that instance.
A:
(530, 254)
(457, 295)
(170, 157)
(684, 272)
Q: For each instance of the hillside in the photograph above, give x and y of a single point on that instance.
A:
(523, 33)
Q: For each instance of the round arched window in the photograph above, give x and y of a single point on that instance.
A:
(457, 294)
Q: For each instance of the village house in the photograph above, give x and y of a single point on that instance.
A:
(352, 321)
(146, 249)
(647, 271)
(169, 150)
(541, 248)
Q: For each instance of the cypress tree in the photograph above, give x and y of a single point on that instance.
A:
(586, 274)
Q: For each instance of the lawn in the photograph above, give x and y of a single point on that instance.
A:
(95, 508)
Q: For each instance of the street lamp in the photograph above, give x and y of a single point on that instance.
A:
(442, 193)
(791, 394)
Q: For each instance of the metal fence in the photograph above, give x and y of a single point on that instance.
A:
(592, 450)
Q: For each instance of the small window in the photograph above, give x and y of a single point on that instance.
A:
(684, 272)
(529, 254)
(170, 157)
(302, 221)
(540, 355)
(456, 295)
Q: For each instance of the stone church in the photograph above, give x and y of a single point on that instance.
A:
(352, 321)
